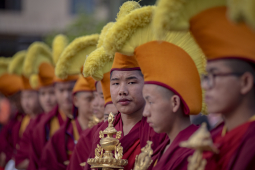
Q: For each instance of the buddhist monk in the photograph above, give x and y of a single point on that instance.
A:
(52, 121)
(41, 79)
(166, 67)
(58, 151)
(229, 84)
(10, 86)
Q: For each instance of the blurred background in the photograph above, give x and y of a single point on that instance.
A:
(25, 21)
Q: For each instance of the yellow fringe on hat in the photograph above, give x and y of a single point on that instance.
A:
(4, 63)
(103, 33)
(16, 64)
(94, 63)
(34, 81)
(37, 53)
(123, 29)
(175, 14)
(136, 29)
(242, 11)
(98, 62)
(59, 43)
(69, 62)
(126, 8)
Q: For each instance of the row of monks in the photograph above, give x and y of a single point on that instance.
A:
(123, 99)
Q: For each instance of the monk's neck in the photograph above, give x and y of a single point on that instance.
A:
(239, 115)
(180, 123)
(67, 113)
(83, 121)
(129, 120)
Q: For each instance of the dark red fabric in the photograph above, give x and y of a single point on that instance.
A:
(55, 152)
(25, 142)
(6, 136)
(83, 148)
(141, 131)
(237, 149)
(39, 138)
(175, 157)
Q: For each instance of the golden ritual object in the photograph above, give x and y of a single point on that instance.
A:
(93, 121)
(200, 141)
(143, 160)
(104, 157)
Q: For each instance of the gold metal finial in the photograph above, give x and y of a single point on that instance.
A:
(200, 141)
(143, 160)
(104, 157)
(94, 121)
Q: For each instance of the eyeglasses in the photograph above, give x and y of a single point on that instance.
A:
(209, 79)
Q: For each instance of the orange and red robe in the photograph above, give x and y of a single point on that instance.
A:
(132, 142)
(237, 149)
(175, 157)
(41, 135)
(23, 150)
(7, 144)
(58, 150)
(83, 148)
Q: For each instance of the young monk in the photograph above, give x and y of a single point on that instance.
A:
(58, 151)
(83, 147)
(166, 66)
(41, 77)
(229, 83)
(10, 86)
(52, 121)
(126, 82)
(29, 102)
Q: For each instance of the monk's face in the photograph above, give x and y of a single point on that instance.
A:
(82, 100)
(126, 91)
(222, 93)
(158, 109)
(108, 109)
(30, 101)
(47, 98)
(98, 102)
(63, 92)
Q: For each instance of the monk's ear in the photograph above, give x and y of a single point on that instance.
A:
(247, 82)
(75, 100)
(176, 103)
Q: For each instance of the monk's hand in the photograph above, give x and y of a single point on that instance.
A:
(196, 161)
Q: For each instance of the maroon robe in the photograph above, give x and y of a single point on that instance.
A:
(40, 137)
(83, 148)
(57, 150)
(175, 157)
(237, 149)
(132, 142)
(6, 136)
(25, 142)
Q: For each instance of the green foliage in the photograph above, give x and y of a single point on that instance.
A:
(83, 25)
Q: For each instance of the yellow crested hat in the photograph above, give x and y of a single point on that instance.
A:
(38, 65)
(9, 83)
(99, 62)
(174, 63)
(59, 43)
(208, 22)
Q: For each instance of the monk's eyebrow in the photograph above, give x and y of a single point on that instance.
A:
(113, 79)
(131, 78)
(212, 69)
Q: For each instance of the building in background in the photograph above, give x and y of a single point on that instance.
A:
(25, 21)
